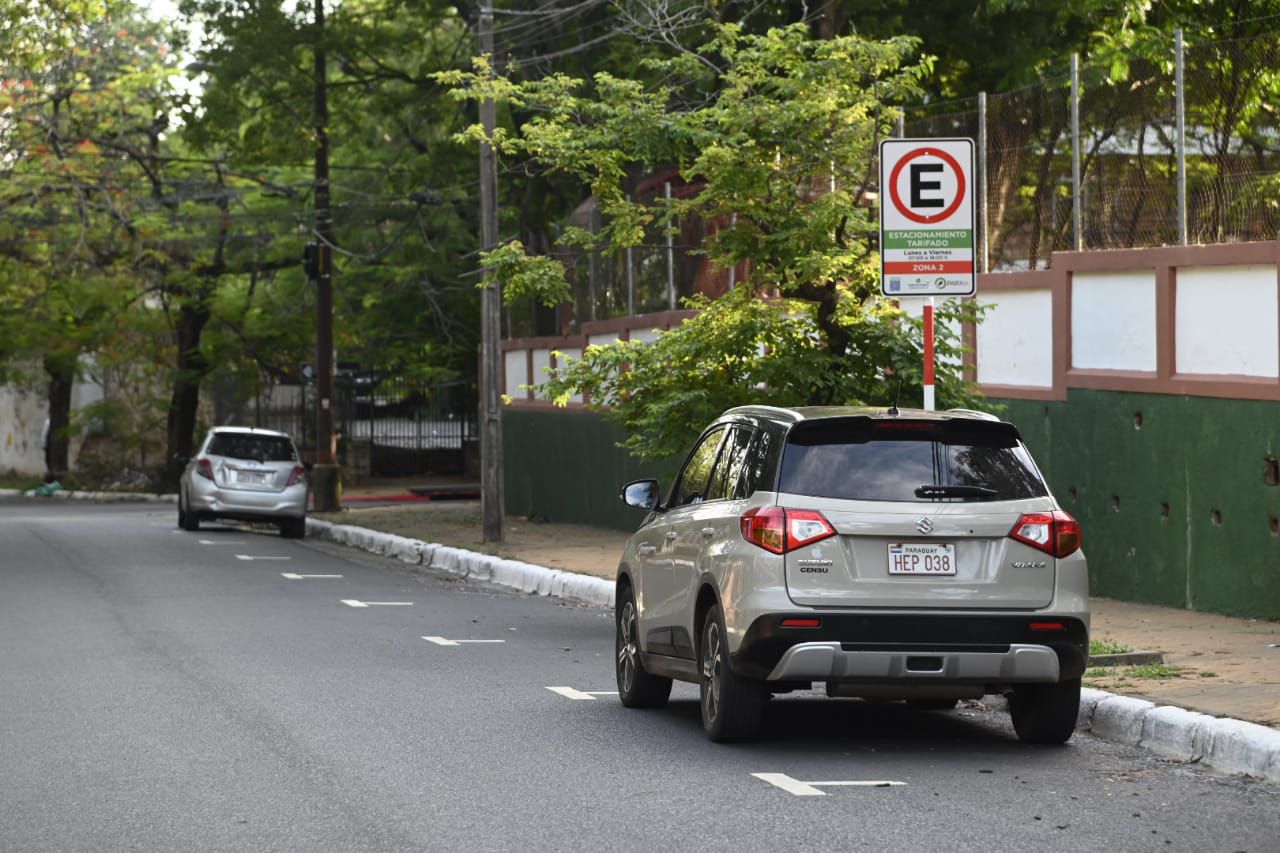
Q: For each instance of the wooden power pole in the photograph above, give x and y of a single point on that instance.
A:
(491, 312)
(326, 482)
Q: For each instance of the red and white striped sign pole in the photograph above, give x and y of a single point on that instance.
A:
(928, 355)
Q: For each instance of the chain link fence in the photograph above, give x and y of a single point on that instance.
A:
(1128, 145)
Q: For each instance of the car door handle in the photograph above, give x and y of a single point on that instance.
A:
(708, 532)
(646, 550)
(671, 535)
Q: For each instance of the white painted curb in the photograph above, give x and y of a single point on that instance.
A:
(1226, 745)
(513, 574)
(100, 497)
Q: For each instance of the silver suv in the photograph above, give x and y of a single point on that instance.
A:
(914, 555)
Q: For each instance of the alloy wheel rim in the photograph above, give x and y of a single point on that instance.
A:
(711, 672)
(627, 651)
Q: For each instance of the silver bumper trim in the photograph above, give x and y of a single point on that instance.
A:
(828, 661)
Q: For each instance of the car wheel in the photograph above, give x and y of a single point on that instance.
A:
(293, 528)
(1045, 713)
(636, 687)
(732, 706)
(187, 518)
(932, 704)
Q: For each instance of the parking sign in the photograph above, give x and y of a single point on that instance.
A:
(927, 217)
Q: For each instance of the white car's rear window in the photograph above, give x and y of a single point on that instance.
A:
(922, 461)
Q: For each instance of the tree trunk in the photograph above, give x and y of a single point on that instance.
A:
(184, 404)
(57, 448)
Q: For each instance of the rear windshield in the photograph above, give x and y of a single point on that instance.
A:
(260, 448)
(921, 461)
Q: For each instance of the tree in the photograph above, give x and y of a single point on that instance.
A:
(114, 231)
(774, 135)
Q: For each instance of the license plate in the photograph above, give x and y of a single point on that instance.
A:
(257, 478)
(920, 559)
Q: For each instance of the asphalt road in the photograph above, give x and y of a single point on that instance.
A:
(160, 692)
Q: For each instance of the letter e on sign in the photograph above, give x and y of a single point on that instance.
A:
(927, 217)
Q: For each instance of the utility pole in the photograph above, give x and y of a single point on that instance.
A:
(490, 312)
(326, 481)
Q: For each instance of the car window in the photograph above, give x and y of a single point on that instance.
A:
(691, 487)
(260, 448)
(727, 477)
(761, 466)
(857, 459)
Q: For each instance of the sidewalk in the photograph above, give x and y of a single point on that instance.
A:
(1218, 665)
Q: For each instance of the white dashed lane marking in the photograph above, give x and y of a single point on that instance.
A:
(814, 789)
(581, 695)
(441, 641)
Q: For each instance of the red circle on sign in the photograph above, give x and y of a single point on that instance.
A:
(897, 199)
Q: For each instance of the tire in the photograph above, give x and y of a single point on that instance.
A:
(932, 704)
(732, 706)
(637, 688)
(188, 520)
(1045, 713)
(293, 528)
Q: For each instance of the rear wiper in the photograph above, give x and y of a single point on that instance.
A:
(938, 490)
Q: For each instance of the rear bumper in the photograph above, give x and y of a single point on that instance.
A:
(216, 501)
(832, 662)
(923, 649)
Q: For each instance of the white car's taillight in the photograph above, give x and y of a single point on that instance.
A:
(780, 530)
(297, 475)
(204, 468)
(1055, 533)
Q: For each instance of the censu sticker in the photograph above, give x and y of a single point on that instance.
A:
(927, 217)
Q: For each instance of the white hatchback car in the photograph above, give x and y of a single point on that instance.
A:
(245, 474)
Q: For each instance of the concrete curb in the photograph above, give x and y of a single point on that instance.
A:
(513, 574)
(1224, 744)
(1127, 659)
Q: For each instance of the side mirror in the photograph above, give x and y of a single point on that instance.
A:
(181, 459)
(642, 494)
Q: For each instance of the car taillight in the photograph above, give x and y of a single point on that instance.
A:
(780, 530)
(296, 475)
(204, 468)
(1055, 533)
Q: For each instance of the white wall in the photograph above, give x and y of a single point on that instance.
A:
(1015, 339)
(517, 373)
(1113, 320)
(646, 335)
(1227, 320)
(541, 366)
(22, 417)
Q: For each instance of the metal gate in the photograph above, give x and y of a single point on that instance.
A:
(386, 426)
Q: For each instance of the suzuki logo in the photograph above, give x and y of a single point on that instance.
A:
(924, 524)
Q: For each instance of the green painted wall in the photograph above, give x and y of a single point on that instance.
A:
(1145, 473)
(567, 467)
(1193, 455)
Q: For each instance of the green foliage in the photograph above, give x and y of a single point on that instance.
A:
(774, 135)
(1107, 647)
(521, 275)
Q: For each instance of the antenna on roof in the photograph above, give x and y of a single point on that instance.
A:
(893, 410)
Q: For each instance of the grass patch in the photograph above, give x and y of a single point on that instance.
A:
(1108, 647)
